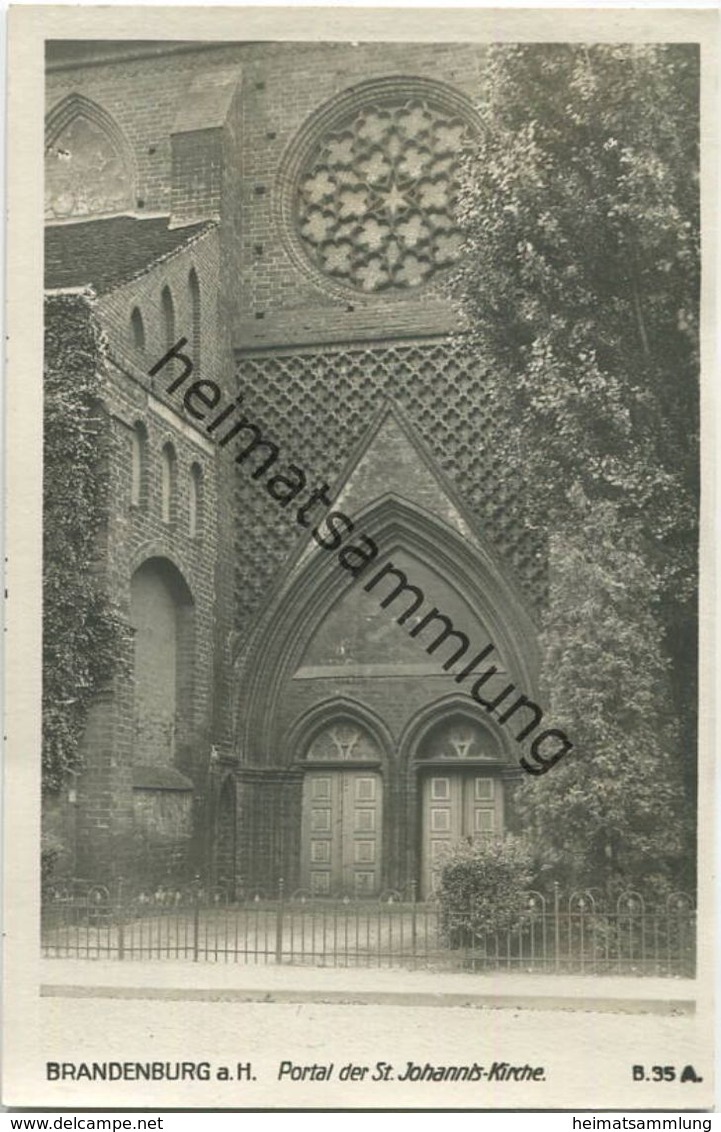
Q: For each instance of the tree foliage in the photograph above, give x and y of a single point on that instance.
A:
(581, 286)
(82, 634)
(614, 812)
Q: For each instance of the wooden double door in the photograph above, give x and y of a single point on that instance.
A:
(341, 832)
(457, 805)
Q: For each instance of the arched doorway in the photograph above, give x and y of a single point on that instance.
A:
(342, 812)
(461, 789)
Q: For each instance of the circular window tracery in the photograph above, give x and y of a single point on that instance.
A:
(374, 196)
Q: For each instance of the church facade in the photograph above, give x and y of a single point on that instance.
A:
(289, 211)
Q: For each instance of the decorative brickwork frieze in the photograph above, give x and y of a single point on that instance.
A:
(317, 405)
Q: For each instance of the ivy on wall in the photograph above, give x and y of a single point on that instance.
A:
(83, 636)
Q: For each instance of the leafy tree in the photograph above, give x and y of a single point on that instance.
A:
(580, 206)
(614, 812)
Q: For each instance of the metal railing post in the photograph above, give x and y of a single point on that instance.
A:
(279, 923)
(414, 924)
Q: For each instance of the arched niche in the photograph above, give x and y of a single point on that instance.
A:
(139, 465)
(195, 501)
(89, 167)
(137, 330)
(195, 316)
(167, 310)
(168, 483)
(161, 614)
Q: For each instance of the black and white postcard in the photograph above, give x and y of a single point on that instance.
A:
(360, 607)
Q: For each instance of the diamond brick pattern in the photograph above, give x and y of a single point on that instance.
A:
(317, 407)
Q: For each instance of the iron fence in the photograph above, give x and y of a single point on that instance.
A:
(573, 933)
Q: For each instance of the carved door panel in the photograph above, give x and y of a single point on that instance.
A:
(341, 835)
(457, 806)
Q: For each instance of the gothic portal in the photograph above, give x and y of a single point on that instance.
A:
(289, 210)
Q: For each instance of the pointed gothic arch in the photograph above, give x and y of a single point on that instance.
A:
(89, 166)
(317, 583)
(139, 465)
(327, 641)
(312, 722)
(195, 501)
(168, 483)
(195, 317)
(137, 330)
(167, 311)
(498, 745)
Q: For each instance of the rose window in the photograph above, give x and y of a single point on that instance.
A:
(375, 199)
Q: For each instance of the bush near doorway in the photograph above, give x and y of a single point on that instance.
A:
(481, 887)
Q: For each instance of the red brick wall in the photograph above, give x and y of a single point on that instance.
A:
(281, 92)
(111, 816)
